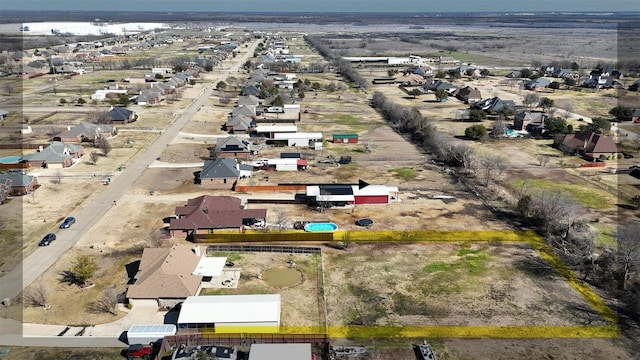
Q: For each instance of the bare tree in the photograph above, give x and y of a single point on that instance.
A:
(37, 295)
(466, 155)
(104, 145)
(58, 176)
(628, 250)
(543, 159)
(107, 302)
(493, 166)
(99, 115)
(93, 156)
(281, 219)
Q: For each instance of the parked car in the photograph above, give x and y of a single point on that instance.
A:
(68, 222)
(142, 351)
(47, 239)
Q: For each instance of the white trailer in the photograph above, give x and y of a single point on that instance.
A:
(149, 333)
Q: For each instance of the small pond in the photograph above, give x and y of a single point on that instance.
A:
(281, 276)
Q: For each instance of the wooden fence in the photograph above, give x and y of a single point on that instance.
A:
(263, 237)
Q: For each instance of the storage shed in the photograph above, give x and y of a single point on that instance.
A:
(232, 313)
(149, 333)
(345, 138)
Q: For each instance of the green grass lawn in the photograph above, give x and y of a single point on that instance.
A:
(587, 196)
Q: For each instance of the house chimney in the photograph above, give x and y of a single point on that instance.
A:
(196, 251)
(68, 128)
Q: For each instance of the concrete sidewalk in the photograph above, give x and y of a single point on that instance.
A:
(102, 335)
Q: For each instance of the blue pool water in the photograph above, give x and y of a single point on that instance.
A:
(316, 227)
(10, 159)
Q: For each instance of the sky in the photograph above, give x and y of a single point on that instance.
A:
(329, 5)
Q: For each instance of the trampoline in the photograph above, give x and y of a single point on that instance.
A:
(364, 222)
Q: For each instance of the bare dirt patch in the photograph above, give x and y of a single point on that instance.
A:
(302, 304)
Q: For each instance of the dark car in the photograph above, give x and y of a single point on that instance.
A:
(67, 222)
(47, 239)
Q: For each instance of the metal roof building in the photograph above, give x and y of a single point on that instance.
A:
(232, 313)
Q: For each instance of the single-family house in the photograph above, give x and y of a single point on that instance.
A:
(149, 97)
(121, 115)
(250, 90)
(563, 73)
(531, 121)
(18, 182)
(249, 101)
(166, 274)
(207, 214)
(537, 84)
(635, 86)
(220, 173)
(516, 74)
(243, 110)
(234, 148)
(435, 85)
(494, 105)
(239, 124)
(468, 94)
(86, 132)
(410, 80)
(588, 144)
(56, 155)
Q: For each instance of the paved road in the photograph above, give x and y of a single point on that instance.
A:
(39, 261)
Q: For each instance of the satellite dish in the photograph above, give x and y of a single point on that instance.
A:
(362, 184)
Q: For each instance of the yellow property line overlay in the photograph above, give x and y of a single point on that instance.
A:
(458, 331)
(423, 236)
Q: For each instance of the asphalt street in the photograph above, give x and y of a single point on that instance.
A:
(32, 266)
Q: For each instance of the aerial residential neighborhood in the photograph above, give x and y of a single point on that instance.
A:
(281, 186)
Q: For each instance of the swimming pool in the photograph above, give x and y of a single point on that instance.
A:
(318, 227)
(10, 159)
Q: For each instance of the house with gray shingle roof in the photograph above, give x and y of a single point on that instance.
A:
(120, 115)
(239, 124)
(18, 183)
(56, 155)
(249, 101)
(234, 148)
(86, 132)
(531, 121)
(220, 173)
(494, 105)
(537, 84)
(250, 90)
(243, 110)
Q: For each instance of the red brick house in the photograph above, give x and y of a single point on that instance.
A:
(588, 144)
(207, 214)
